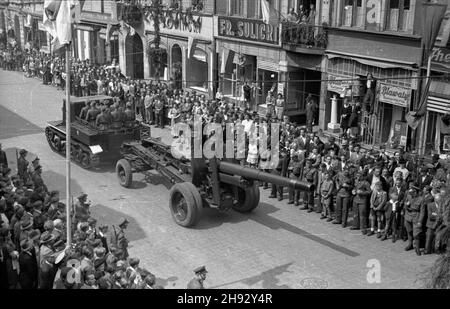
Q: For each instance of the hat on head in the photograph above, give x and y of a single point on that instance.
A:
(123, 222)
(47, 237)
(415, 188)
(133, 261)
(25, 244)
(25, 225)
(34, 234)
(37, 204)
(35, 160)
(23, 151)
(199, 270)
(82, 196)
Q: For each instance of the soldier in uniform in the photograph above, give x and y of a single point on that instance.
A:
(37, 179)
(130, 115)
(92, 113)
(326, 191)
(119, 240)
(361, 193)
(295, 167)
(22, 166)
(344, 190)
(101, 122)
(309, 174)
(159, 112)
(82, 212)
(85, 109)
(197, 283)
(414, 215)
(281, 169)
(116, 117)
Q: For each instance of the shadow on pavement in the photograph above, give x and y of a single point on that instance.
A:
(212, 218)
(106, 215)
(12, 125)
(165, 282)
(268, 278)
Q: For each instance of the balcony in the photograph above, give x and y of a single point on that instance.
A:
(304, 38)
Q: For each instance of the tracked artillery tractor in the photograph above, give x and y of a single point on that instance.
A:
(198, 183)
(90, 145)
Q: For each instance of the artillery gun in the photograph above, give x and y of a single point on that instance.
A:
(198, 183)
(90, 145)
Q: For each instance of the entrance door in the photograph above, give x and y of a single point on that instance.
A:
(177, 66)
(135, 56)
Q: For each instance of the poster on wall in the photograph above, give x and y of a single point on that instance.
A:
(400, 134)
(446, 146)
(394, 95)
(339, 84)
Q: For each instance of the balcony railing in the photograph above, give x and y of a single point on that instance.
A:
(304, 35)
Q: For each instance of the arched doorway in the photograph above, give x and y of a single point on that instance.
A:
(17, 30)
(135, 56)
(177, 65)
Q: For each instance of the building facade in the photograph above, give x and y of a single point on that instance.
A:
(381, 38)
(21, 25)
(96, 32)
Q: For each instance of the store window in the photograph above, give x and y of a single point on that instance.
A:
(399, 15)
(198, 70)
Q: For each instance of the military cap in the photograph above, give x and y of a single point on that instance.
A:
(199, 270)
(23, 151)
(82, 196)
(123, 222)
(35, 160)
(34, 234)
(26, 225)
(47, 237)
(133, 261)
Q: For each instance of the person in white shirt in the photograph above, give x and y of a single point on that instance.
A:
(401, 168)
(247, 123)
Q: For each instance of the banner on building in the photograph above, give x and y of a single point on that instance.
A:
(339, 84)
(440, 59)
(394, 95)
(399, 137)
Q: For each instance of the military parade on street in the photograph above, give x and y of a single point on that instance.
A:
(224, 144)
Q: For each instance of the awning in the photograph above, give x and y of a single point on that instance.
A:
(372, 61)
(305, 61)
(438, 105)
(440, 89)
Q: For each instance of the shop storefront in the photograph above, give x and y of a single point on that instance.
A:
(249, 54)
(186, 51)
(393, 97)
(437, 122)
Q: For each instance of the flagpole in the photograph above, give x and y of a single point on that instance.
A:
(68, 149)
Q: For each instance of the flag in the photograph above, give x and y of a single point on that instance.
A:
(58, 18)
(269, 13)
(190, 44)
(413, 118)
(432, 14)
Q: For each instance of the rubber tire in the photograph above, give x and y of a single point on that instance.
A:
(251, 200)
(126, 166)
(193, 200)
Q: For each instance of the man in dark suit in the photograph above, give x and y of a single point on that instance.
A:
(28, 277)
(434, 219)
(375, 176)
(424, 179)
(3, 158)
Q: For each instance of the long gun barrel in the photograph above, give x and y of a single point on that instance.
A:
(254, 174)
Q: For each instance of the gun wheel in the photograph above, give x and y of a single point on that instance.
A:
(185, 204)
(124, 173)
(248, 199)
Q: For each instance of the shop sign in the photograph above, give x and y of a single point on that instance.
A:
(338, 84)
(400, 133)
(41, 26)
(440, 58)
(246, 29)
(394, 95)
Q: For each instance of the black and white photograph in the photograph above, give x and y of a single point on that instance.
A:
(240, 147)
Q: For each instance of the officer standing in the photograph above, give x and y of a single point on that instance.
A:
(309, 175)
(295, 167)
(119, 240)
(22, 166)
(344, 186)
(414, 215)
(197, 283)
(361, 193)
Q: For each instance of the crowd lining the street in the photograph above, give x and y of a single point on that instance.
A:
(401, 197)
